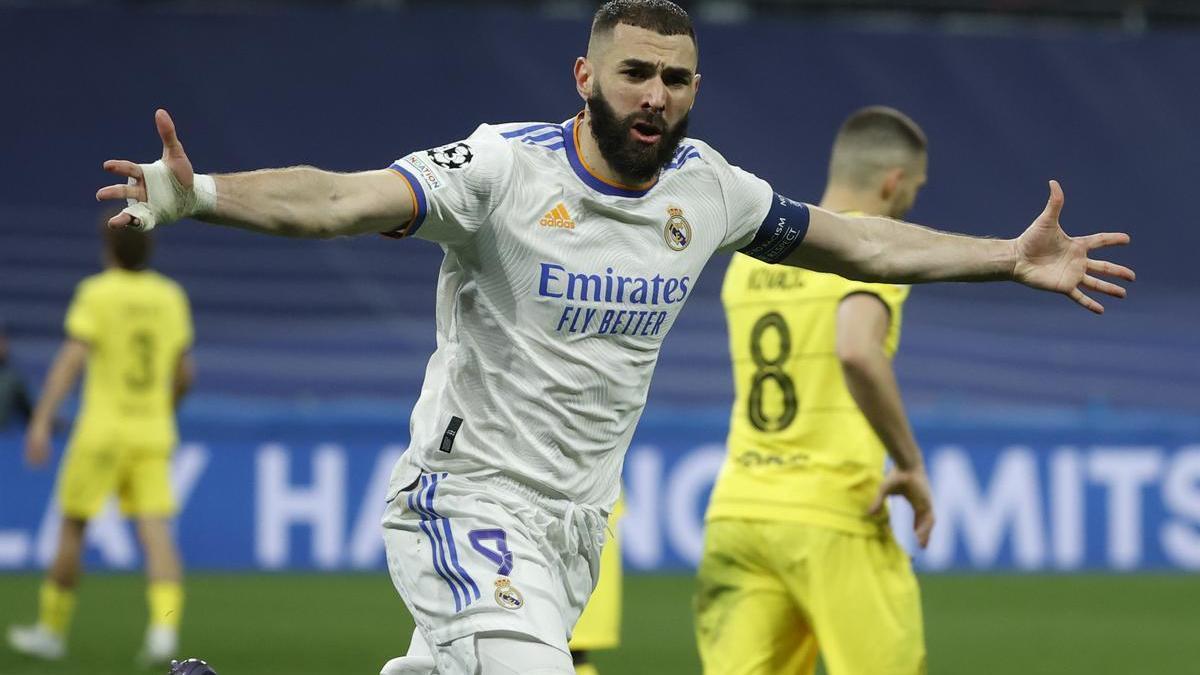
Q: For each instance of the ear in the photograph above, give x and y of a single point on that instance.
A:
(695, 90)
(891, 183)
(583, 77)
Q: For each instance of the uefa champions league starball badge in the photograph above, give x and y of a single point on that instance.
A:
(678, 231)
(507, 596)
(453, 156)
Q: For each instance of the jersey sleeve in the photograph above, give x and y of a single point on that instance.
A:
(762, 223)
(892, 296)
(82, 321)
(455, 187)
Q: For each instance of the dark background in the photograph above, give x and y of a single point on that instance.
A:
(1009, 100)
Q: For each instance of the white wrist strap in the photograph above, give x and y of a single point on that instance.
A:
(166, 200)
(205, 188)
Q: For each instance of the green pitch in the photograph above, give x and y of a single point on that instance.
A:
(351, 624)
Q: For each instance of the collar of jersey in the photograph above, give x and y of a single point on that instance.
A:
(588, 176)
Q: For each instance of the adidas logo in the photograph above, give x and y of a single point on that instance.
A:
(557, 217)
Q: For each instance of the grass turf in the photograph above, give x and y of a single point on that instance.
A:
(350, 624)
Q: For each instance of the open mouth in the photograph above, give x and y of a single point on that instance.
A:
(646, 132)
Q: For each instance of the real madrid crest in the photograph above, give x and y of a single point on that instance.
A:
(507, 596)
(678, 231)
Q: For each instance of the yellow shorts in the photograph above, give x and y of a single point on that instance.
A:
(771, 595)
(139, 474)
(599, 627)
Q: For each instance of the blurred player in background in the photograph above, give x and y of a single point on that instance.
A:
(14, 397)
(132, 328)
(569, 250)
(599, 627)
(798, 551)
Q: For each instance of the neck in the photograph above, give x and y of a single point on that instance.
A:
(593, 159)
(841, 199)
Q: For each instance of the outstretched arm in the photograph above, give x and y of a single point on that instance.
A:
(294, 202)
(1043, 257)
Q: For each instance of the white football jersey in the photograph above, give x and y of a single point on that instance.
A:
(555, 294)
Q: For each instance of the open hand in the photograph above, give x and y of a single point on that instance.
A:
(1050, 260)
(173, 157)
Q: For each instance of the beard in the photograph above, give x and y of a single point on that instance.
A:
(630, 158)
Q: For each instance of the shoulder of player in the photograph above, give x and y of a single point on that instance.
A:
(119, 281)
(93, 284)
(173, 287)
(696, 157)
(92, 281)
(524, 141)
(523, 134)
(751, 278)
(892, 295)
(695, 153)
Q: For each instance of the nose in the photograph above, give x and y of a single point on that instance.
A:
(654, 99)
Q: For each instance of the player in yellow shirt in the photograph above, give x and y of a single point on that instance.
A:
(798, 555)
(132, 328)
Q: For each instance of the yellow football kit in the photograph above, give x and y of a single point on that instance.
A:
(136, 324)
(792, 561)
(599, 627)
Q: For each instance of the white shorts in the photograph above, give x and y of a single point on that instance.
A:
(478, 555)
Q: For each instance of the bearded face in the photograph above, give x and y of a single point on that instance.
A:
(638, 145)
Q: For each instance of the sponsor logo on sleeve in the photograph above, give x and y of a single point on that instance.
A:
(425, 171)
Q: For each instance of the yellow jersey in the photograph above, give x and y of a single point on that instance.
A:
(136, 324)
(800, 450)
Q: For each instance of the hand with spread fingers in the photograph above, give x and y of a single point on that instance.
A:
(1050, 260)
(158, 193)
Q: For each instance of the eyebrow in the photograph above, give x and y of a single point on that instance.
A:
(677, 71)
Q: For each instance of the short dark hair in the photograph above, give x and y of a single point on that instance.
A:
(661, 16)
(130, 249)
(884, 124)
(871, 139)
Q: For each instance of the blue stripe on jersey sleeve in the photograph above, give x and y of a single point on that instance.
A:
(780, 232)
(419, 194)
(555, 134)
(525, 130)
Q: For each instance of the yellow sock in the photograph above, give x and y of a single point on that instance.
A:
(166, 603)
(586, 669)
(56, 607)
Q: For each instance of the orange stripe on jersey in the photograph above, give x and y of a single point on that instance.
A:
(644, 186)
(412, 194)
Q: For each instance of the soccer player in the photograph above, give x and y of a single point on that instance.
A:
(132, 329)
(798, 552)
(569, 250)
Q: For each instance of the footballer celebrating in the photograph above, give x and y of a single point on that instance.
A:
(569, 250)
